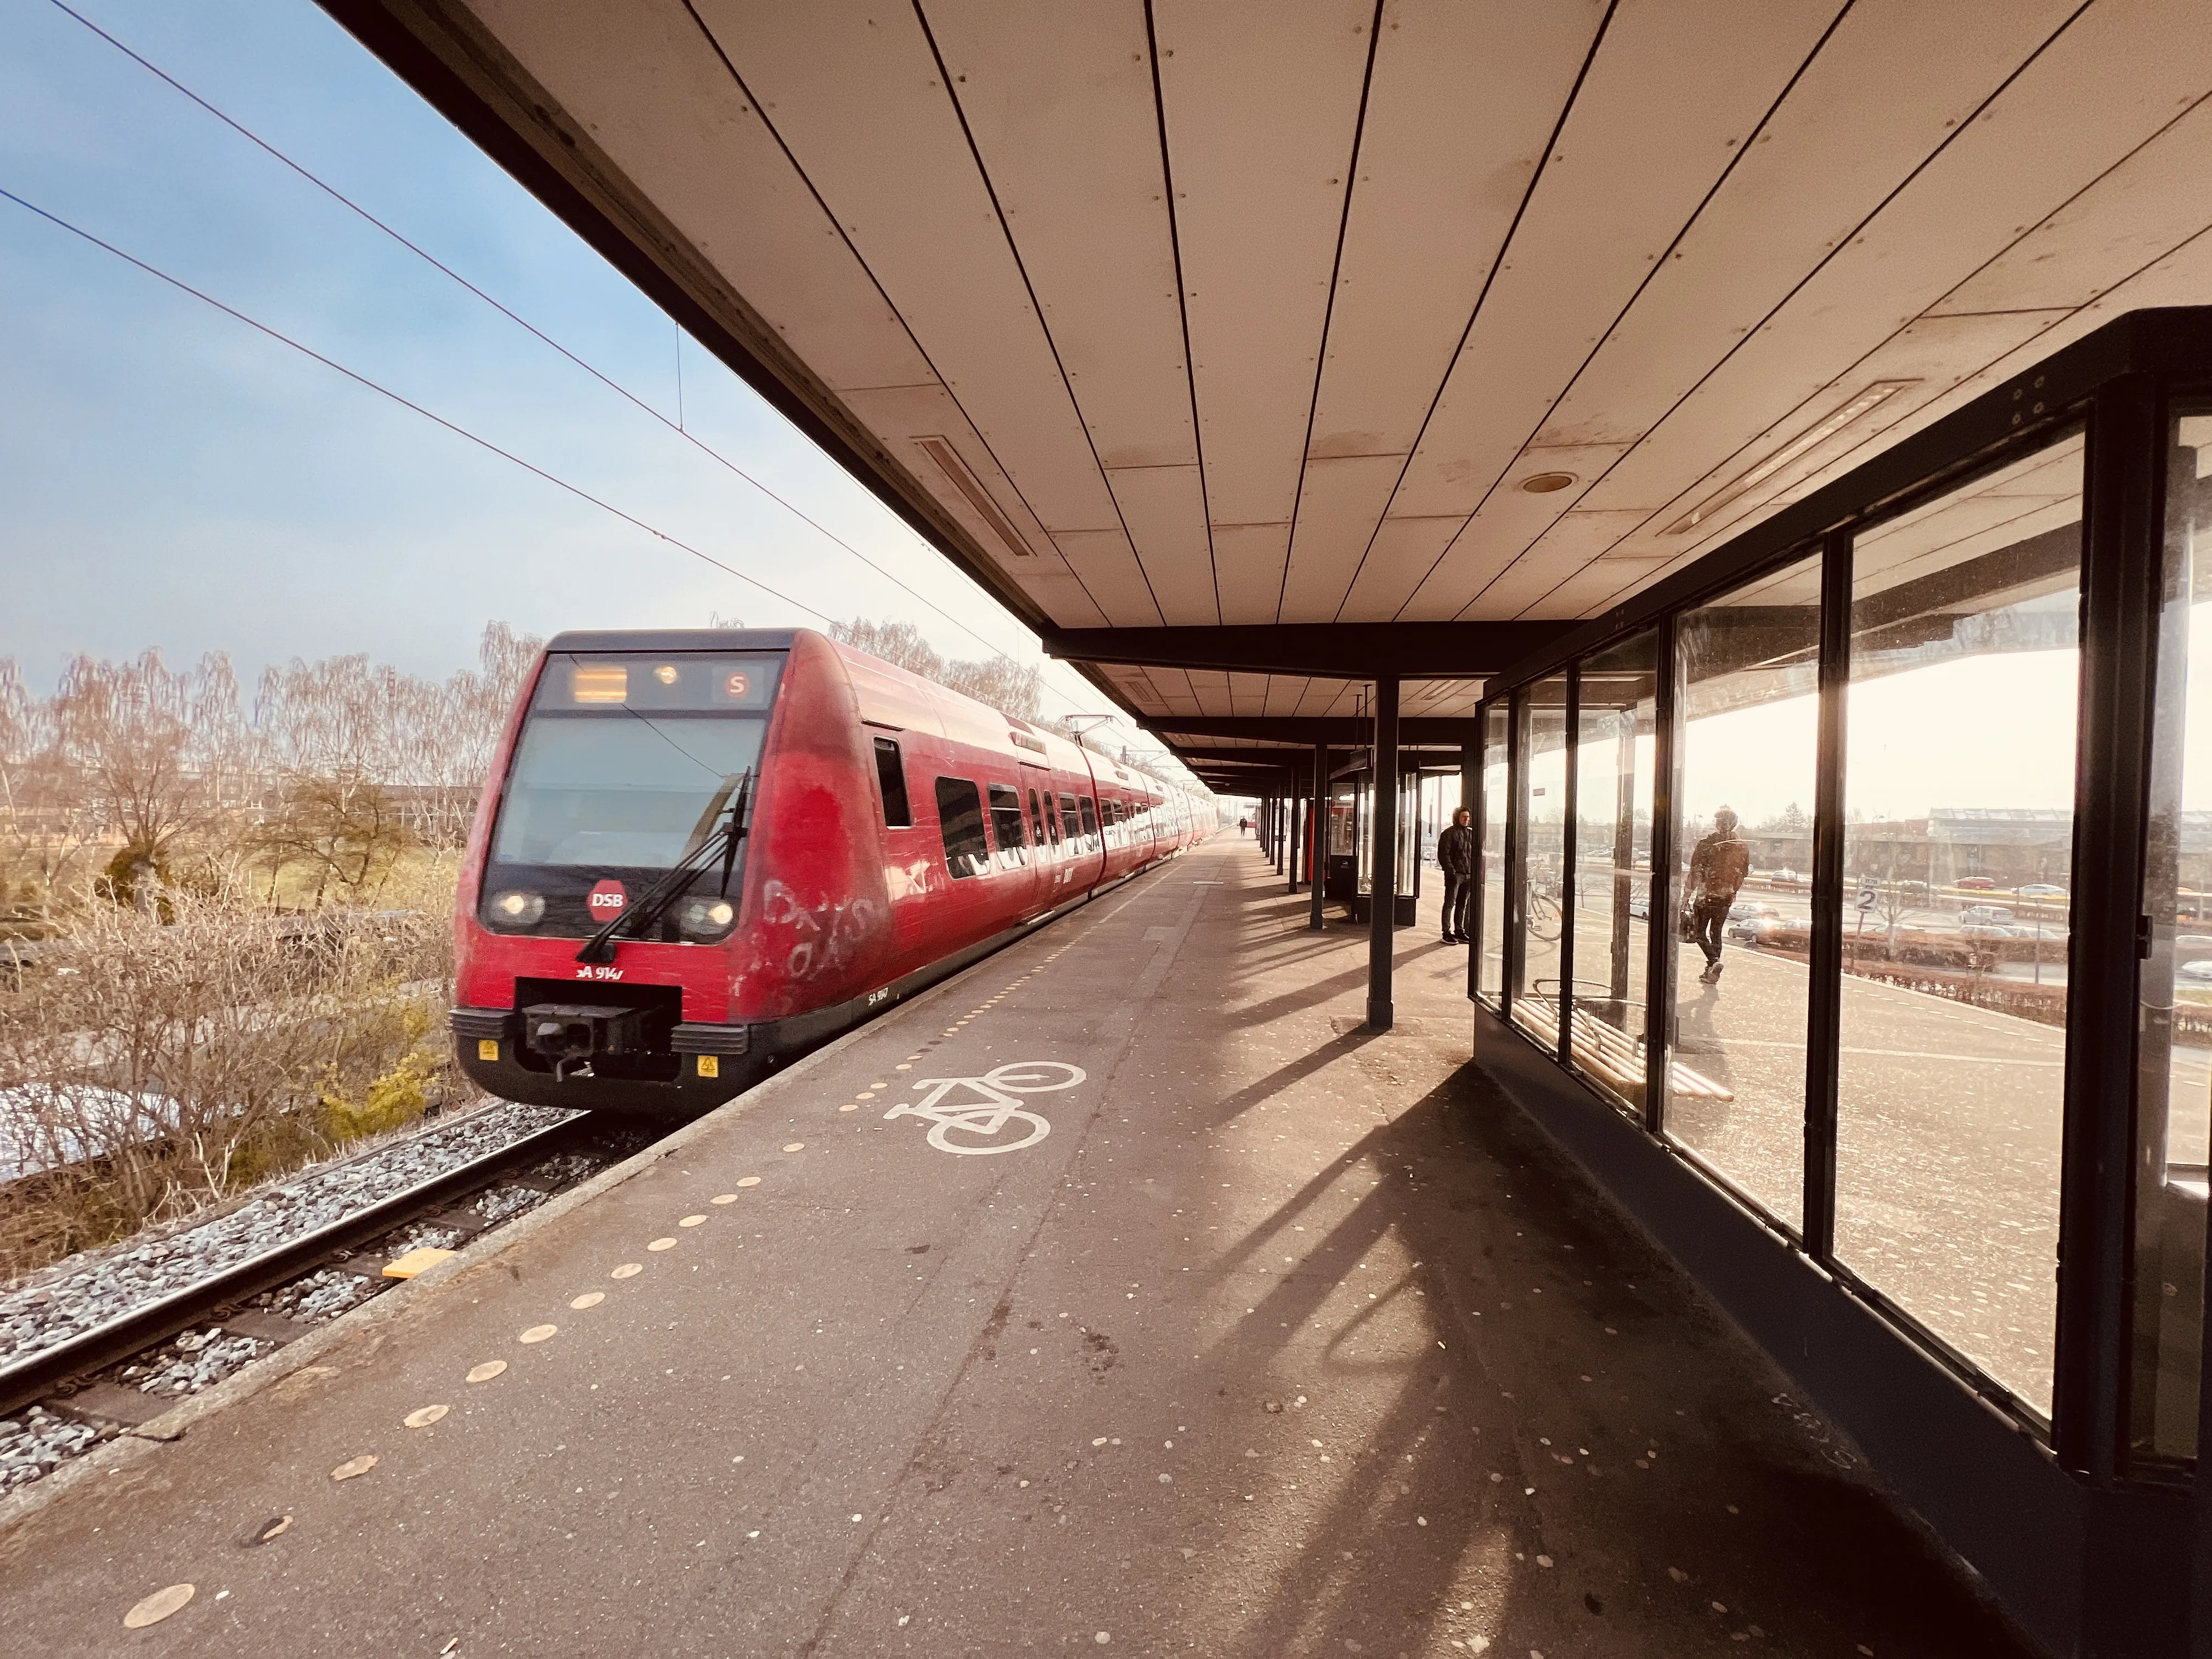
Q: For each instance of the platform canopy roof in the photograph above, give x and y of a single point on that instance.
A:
(1221, 339)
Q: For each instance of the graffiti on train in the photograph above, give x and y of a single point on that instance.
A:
(986, 1114)
(828, 935)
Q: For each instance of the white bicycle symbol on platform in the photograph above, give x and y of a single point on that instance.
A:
(1001, 1090)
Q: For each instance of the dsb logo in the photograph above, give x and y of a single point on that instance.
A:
(608, 899)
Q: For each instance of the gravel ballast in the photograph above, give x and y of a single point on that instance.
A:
(90, 1291)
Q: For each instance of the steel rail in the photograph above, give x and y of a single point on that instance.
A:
(36, 1376)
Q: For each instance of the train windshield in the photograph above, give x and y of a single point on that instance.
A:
(627, 761)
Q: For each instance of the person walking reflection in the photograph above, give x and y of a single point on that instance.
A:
(1718, 865)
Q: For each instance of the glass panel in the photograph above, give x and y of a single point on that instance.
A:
(897, 815)
(1957, 860)
(1497, 798)
(1613, 757)
(1543, 856)
(2173, 1119)
(1735, 1076)
(960, 819)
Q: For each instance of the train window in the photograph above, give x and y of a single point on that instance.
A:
(1090, 823)
(1007, 825)
(1070, 827)
(1038, 819)
(897, 813)
(960, 818)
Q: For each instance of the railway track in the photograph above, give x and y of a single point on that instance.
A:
(103, 1349)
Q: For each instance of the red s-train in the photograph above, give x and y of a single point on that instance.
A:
(698, 854)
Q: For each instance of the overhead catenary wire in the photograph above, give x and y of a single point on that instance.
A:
(457, 431)
(678, 426)
(359, 379)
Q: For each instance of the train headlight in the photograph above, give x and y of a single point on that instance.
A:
(516, 909)
(708, 915)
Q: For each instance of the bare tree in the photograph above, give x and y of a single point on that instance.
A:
(999, 682)
(155, 754)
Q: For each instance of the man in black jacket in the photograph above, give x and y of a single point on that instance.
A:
(1456, 854)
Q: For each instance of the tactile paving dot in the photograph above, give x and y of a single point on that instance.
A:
(424, 1417)
(724, 1197)
(749, 1180)
(662, 1245)
(489, 1370)
(854, 1106)
(693, 1221)
(537, 1333)
(589, 1300)
(355, 1465)
(628, 1270)
(795, 1145)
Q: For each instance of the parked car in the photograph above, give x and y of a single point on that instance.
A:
(1787, 879)
(1985, 916)
(2199, 971)
(1976, 884)
(1752, 924)
(2040, 889)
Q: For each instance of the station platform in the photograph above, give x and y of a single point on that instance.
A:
(1260, 1334)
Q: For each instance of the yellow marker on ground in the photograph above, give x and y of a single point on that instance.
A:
(416, 1261)
(157, 1607)
(487, 1049)
(709, 1066)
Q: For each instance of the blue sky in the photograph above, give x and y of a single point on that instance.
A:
(170, 478)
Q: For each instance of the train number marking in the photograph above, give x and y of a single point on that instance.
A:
(595, 970)
(992, 1102)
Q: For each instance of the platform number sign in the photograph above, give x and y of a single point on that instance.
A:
(1867, 898)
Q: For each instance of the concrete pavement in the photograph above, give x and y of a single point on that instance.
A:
(1283, 1338)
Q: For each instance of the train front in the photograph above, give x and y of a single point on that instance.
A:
(610, 911)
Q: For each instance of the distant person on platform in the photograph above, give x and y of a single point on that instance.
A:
(1456, 856)
(1244, 826)
(1717, 868)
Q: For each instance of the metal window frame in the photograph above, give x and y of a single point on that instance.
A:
(1516, 765)
(2121, 384)
(1570, 807)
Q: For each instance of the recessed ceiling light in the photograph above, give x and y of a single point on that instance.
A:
(1818, 432)
(1543, 484)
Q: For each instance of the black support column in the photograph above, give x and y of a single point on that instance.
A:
(1319, 833)
(1383, 894)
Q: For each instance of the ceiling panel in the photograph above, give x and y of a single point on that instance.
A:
(1464, 97)
(2081, 107)
(1108, 566)
(1261, 105)
(2144, 207)
(1164, 507)
(1058, 101)
(1673, 93)
(1341, 500)
(854, 93)
(1508, 522)
(1925, 360)
(1248, 563)
(651, 90)
(1403, 552)
(1886, 90)
(1272, 325)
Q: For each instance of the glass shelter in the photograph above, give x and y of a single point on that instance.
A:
(1846, 908)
